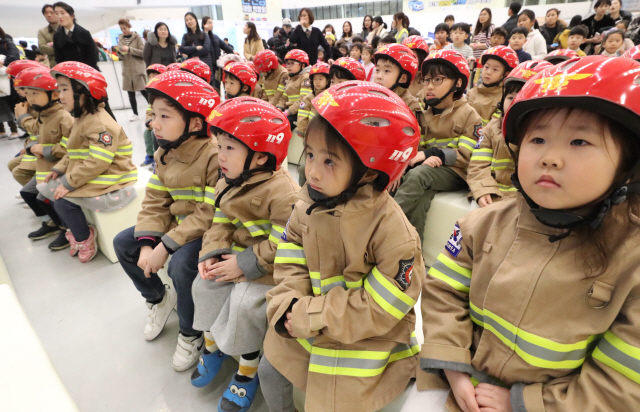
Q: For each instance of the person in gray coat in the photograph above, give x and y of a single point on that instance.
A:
(160, 47)
(134, 71)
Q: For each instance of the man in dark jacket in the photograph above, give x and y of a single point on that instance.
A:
(512, 22)
(276, 40)
(284, 33)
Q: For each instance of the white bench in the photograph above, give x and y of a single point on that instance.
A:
(296, 147)
(109, 224)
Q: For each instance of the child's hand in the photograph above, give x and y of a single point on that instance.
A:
(485, 200)
(36, 149)
(463, 390)
(287, 324)
(52, 175)
(227, 270)
(145, 251)
(418, 158)
(23, 151)
(433, 161)
(493, 398)
(60, 192)
(286, 112)
(21, 108)
(156, 260)
(205, 266)
(394, 185)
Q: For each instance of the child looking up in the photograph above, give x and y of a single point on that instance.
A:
(239, 80)
(149, 139)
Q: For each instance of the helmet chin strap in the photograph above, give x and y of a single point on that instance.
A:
(246, 174)
(40, 109)
(494, 84)
(437, 101)
(185, 136)
(320, 199)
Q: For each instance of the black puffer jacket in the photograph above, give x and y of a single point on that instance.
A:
(155, 54)
(190, 48)
(9, 49)
(80, 47)
(216, 45)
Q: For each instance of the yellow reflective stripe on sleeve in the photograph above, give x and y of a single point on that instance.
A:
(501, 164)
(193, 193)
(450, 272)
(276, 233)
(387, 295)
(125, 150)
(467, 142)
(64, 141)
(304, 91)
(28, 158)
(482, 154)
(100, 153)
(47, 144)
(236, 249)
(220, 217)
(270, 92)
(40, 176)
(533, 349)
(181, 218)
(290, 253)
(115, 179)
(506, 188)
(619, 356)
(33, 137)
(258, 227)
(323, 286)
(311, 114)
(155, 183)
(210, 195)
(78, 154)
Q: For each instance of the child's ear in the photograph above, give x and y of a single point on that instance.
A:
(403, 78)
(261, 159)
(245, 88)
(459, 83)
(195, 124)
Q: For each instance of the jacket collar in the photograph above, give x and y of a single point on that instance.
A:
(482, 89)
(448, 110)
(527, 221)
(365, 199)
(51, 110)
(186, 152)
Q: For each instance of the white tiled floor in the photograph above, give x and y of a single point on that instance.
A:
(90, 317)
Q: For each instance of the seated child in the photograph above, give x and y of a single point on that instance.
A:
(321, 54)
(357, 40)
(320, 81)
(257, 90)
(623, 26)
(149, 139)
(396, 67)
(387, 40)
(296, 85)
(559, 56)
(498, 37)
(239, 80)
(562, 37)
(534, 300)
(517, 41)
(420, 49)
(197, 67)
(496, 62)
(96, 172)
(54, 125)
(253, 203)
(42, 58)
(177, 209)
(349, 265)
(612, 43)
(356, 52)
(367, 63)
(459, 34)
(452, 128)
(441, 33)
(577, 36)
(343, 48)
(274, 75)
(491, 165)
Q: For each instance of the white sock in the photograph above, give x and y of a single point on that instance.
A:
(209, 343)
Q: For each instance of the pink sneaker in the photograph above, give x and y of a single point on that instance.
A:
(89, 248)
(73, 250)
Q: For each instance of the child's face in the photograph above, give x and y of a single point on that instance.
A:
(66, 93)
(344, 51)
(320, 55)
(152, 75)
(621, 26)
(517, 41)
(387, 74)
(166, 121)
(355, 53)
(232, 154)
(39, 97)
(602, 9)
(525, 21)
(575, 41)
(613, 43)
(319, 82)
(450, 22)
(492, 71)
(436, 87)
(366, 56)
(458, 37)
(330, 41)
(21, 92)
(327, 173)
(293, 66)
(232, 85)
(566, 161)
(335, 80)
(441, 36)
(508, 99)
(497, 40)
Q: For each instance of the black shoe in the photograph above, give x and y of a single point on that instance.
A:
(60, 243)
(45, 231)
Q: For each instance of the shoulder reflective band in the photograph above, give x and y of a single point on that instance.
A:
(387, 295)
(323, 286)
(258, 227)
(482, 154)
(100, 153)
(155, 183)
(467, 143)
(78, 154)
(125, 150)
(356, 363)
(115, 179)
(220, 217)
(290, 253)
(64, 141)
(450, 272)
(619, 355)
(535, 350)
(276, 233)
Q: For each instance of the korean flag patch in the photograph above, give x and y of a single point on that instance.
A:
(105, 138)
(477, 146)
(307, 83)
(403, 277)
(284, 232)
(302, 105)
(454, 244)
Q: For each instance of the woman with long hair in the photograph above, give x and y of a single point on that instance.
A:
(366, 26)
(160, 47)
(134, 71)
(402, 26)
(378, 28)
(253, 42)
(347, 31)
(482, 33)
(195, 43)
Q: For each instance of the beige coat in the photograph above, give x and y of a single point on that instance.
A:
(44, 38)
(485, 100)
(510, 308)
(29, 122)
(274, 84)
(350, 276)
(134, 71)
(252, 48)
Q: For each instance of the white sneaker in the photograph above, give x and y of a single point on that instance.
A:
(18, 196)
(188, 352)
(133, 118)
(159, 313)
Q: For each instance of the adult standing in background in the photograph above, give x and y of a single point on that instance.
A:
(367, 22)
(285, 34)
(253, 42)
(276, 40)
(134, 70)
(402, 26)
(160, 47)
(512, 21)
(378, 28)
(195, 43)
(551, 27)
(308, 38)
(347, 32)
(45, 34)
(216, 46)
(8, 100)
(618, 15)
(482, 33)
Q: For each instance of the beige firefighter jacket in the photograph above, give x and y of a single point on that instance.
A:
(296, 88)
(273, 84)
(485, 100)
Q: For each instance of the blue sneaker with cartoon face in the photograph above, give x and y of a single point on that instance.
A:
(239, 395)
(208, 367)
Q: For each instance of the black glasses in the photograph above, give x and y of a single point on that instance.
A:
(437, 81)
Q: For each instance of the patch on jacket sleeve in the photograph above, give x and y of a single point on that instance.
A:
(284, 232)
(477, 131)
(454, 244)
(302, 105)
(477, 146)
(284, 80)
(105, 138)
(307, 83)
(405, 270)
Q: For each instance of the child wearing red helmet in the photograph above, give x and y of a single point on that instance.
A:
(297, 85)
(320, 80)
(96, 172)
(420, 49)
(150, 140)
(239, 80)
(274, 75)
(396, 67)
(535, 299)
(53, 126)
(177, 208)
(491, 165)
(497, 63)
(253, 203)
(452, 129)
(348, 267)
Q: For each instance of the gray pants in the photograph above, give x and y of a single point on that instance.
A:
(276, 389)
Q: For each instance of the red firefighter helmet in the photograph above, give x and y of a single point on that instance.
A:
(455, 61)
(245, 74)
(633, 53)
(417, 43)
(503, 54)
(254, 68)
(402, 55)
(16, 66)
(157, 67)
(582, 83)
(188, 90)
(266, 60)
(84, 74)
(319, 68)
(351, 66)
(524, 71)
(559, 56)
(298, 55)
(173, 66)
(256, 123)
(36, 78)
(366, 114)
(197, 67)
